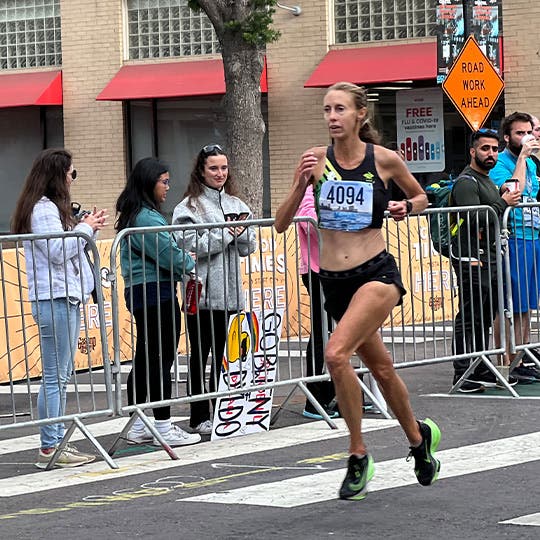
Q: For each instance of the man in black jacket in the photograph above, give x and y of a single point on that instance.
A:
(474, 254)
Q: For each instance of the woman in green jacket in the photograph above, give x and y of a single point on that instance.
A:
(151, 265)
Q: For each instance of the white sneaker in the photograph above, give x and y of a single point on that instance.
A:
(178, 437)
(74, 450)
(204, 428)
(65, 460)
(139, 436)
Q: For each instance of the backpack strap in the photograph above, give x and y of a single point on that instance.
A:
(454, 229)
(460, 177)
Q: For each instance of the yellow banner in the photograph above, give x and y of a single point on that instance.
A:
(428, 277)
(19, 337)
(270, 276)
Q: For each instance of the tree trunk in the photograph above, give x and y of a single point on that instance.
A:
(243, 65)
(242, 62)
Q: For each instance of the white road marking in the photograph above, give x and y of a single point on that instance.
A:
(531, 520)
(155, 461)
(395, 473)
(479, 396)
(98, 429)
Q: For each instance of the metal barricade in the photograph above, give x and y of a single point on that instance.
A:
(317, 326)
(27, 351)
(521, 229)
(442, 319)
(253, 324)
(259, 325)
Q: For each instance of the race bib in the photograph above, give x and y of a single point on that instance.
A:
(345, 205)
(531, 216)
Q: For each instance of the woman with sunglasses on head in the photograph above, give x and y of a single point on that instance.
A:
(60, 279)
(211, 198)
(152, 264)
(360, 279)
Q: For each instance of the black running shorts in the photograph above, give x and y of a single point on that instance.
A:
(340, 287)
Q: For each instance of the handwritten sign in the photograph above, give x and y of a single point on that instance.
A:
(250, 359)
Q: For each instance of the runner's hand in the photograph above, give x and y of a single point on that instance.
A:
(304, 171)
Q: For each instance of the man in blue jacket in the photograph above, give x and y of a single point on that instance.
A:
(524, 244)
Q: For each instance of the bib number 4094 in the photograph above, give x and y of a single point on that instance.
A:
(345, 195)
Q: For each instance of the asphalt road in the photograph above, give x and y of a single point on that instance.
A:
(283, 484)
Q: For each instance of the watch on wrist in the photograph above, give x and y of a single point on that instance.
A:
(409, 206)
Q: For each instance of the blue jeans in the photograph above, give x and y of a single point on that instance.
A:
(59, 324)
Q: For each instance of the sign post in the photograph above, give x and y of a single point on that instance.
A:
(473, 84)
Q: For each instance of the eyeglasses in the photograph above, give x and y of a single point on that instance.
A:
(211, 148)
(73, 174)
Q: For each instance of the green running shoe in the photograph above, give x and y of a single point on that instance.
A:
(359, 472)
(426, 466)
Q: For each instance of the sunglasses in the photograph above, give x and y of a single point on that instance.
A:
(73, 174)
(211, 148)
(486, 131)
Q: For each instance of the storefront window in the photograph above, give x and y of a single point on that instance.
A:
(175, 131)
(24, 132)
(168, 28)
(30, 34)
(375, 20)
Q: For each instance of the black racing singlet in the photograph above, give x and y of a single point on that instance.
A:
(350, 199)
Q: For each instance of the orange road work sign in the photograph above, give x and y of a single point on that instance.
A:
(473, 84)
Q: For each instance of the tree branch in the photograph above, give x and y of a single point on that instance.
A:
(216, 11)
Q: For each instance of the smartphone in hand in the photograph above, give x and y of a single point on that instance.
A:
(236, 217)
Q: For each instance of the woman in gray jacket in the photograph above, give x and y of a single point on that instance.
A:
(211, 198)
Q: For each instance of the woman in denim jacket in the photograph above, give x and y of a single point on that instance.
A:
(59, 280)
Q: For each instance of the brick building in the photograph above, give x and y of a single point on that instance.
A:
(117, 80)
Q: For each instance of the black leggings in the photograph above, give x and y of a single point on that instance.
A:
(477, 310)
(158, 385)
(211, 323)
(323, 391)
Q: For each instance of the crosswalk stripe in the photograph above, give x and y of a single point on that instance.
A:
(394, 473)
(479, 396)
(531, 519)
(98, 429)
(155, 461)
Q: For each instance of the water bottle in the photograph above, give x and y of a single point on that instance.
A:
(193, 293)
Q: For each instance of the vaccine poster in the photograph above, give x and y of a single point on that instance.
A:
(420, 129)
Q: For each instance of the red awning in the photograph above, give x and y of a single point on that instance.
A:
(369, 65)
(168, 80)
(38, 88)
